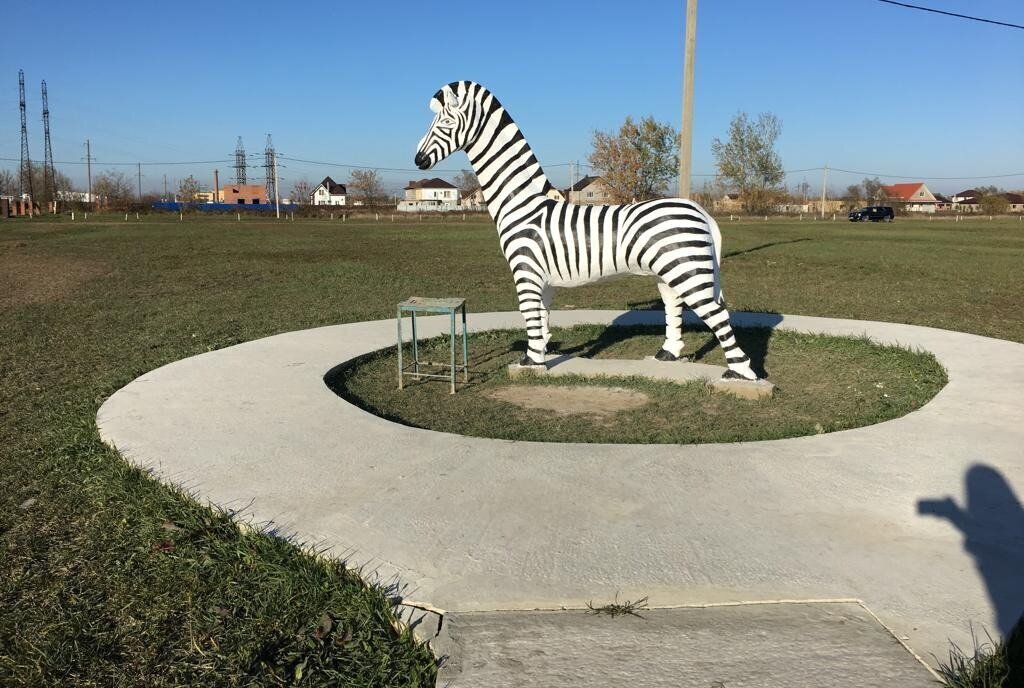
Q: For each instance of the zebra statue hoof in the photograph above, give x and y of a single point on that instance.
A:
(733, 375)
(663, 355)
(526, 361)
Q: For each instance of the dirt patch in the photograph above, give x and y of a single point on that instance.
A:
(565, 401)
(26, 279)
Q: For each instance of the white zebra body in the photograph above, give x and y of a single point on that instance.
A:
(550, 243)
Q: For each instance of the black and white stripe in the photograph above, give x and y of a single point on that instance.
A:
(550, 243)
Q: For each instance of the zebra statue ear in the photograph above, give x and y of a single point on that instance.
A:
(435, 104)
(451, 98)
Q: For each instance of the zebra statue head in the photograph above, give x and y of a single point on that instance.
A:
(457, 116)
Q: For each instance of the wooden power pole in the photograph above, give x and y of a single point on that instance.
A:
(686, 132)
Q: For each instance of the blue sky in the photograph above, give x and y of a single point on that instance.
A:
(858, 84)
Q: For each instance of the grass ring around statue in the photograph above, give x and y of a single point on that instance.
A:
(824, 384)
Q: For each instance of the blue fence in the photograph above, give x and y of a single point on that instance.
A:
(223, 207)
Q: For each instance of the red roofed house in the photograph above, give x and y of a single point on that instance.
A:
(916, 195)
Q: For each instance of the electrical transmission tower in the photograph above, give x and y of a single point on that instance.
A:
(26, 162)
(268, 166)
(49, 174)
(240, 162)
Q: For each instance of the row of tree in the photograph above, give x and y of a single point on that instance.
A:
(641, 160)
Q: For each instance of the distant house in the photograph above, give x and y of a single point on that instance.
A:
(1015, 202)
(588, 191)
(966, 201)
(915, 195)
(729, 202)
(474, 201)
(328, 192)
(969, 201)
(430, 195)
(555, 195)
(244, 194)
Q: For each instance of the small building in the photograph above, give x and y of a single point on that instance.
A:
(474, 201)
(588, 191)
(729, 202)
(328, 192)
(1015, 202)
(966, 201)
(244, 194)
(915, 195)
(555, 195)
(430, 195)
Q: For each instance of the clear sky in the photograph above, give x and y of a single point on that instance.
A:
(858, 84)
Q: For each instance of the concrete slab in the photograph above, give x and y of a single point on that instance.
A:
(680, 372)
(919, 517)
(759, 645)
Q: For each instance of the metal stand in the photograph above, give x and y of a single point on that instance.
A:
(419, 304)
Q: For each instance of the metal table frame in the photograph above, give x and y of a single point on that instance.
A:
(419, 304)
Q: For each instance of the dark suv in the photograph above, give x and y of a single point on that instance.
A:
(875, 213)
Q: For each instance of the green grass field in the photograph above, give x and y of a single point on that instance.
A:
(108, 578)
(823, 384)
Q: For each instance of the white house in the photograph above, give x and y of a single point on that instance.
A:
(328, 192)
(430, 195)
(916, 195)
(588, 191)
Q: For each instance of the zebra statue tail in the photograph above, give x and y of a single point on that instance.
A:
(716, 239)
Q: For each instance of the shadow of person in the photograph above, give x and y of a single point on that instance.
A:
(992, 522)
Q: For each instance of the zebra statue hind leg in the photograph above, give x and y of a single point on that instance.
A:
(715, 316)
(672, 349)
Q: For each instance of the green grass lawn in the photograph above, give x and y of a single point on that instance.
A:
(108, 578)
(823, 383)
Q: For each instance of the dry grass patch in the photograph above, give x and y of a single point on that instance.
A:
(28, 279)
(567, 401)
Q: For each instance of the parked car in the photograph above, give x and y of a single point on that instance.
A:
(874, 213)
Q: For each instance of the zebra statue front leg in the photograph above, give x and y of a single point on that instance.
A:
(672, 349)
(534, 309)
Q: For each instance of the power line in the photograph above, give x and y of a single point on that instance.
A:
(924, 176)
(133, 164)
(953, 14)
(561, 164)
(386, 169)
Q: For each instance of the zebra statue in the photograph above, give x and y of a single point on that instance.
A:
(550, 243)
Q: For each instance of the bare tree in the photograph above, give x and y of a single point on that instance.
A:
(988, 191)
(188, 190)
(639, 162)
(366, 185)
(748, 160)
(301, 190)
(994, 203)
(112, 188)
(873, 191)
(853, 193)
(8, 183)
(467, 182)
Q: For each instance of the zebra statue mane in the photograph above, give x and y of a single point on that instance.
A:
(553, 243)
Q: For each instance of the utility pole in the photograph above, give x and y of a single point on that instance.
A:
(269, 165)
(824, 186)
(239, 162)
(26, 161)
(139, 165)
(216, 186)
(88, 169)
(49, 174)
(686, 132)
(277, 188)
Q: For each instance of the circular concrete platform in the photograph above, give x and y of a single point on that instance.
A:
(478, 524)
